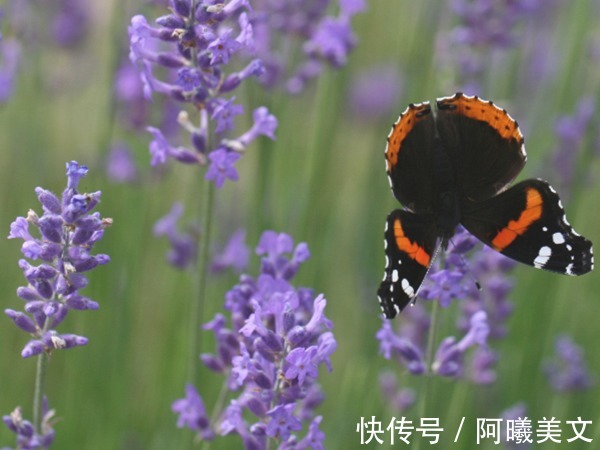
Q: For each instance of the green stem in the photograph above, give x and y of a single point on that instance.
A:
(197, 313)
(108, 128)
(40, 388)
(197, 307)
(425, 393)
(217, 409)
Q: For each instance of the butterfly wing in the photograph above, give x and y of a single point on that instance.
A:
(528, 224)
(484, 143)
(409, 157)
(410, 243)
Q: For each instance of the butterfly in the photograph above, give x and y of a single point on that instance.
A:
(455, 166)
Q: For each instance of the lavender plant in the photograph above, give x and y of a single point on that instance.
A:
(450, 281)
(572, 131)
(567, 370)
(183, 244)
(66, 233)
(374, 92)
(269, 355)
(322, 39)
(10, 60)
(202, 39)
(485, 27)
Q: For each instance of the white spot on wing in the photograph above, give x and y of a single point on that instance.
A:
(558, 238)
(394, 276)
(542, 257)
(569, 269)
(407, 288)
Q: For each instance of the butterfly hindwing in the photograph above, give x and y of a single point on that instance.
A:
(528, 224)
(410, 242)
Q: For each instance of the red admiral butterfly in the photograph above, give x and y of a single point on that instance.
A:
(454, 167)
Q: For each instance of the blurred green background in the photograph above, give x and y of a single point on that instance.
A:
(323, 181)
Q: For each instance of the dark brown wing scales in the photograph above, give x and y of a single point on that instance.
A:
(408, 157)
(484, 142)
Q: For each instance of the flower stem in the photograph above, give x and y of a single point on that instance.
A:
(217, 410)
(40, 388)
(40, 385)
(197, 310)
(425, 393)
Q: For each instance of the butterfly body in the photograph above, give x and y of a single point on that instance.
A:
(455, 167)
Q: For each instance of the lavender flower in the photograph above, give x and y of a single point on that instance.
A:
(129, 92)
(323, 39)
(375, 92)
(571, 132)
(120, 165)
(221, 166)
(484, 26)
(191, 412)
(448, 358)
(27, 438)
(516, 413)
(234, 255)
(201, 44)
(69, 25)
(484, 313)
(67, 232)
(399, 399)
(270, 355)
(182, 253)
(567, 372)
(10, 58)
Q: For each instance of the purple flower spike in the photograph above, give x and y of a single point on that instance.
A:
(567, 372)
(10, 55)
(271, 353)
(199, 48)
(27, 438)
(69, 231)
(324, 40)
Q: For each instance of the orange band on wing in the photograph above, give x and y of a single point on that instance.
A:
(402, 127)
(533, 211)
(414, 251)
(485, 111)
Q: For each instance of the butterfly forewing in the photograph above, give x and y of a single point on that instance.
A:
(408, 156)
(484, 143)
